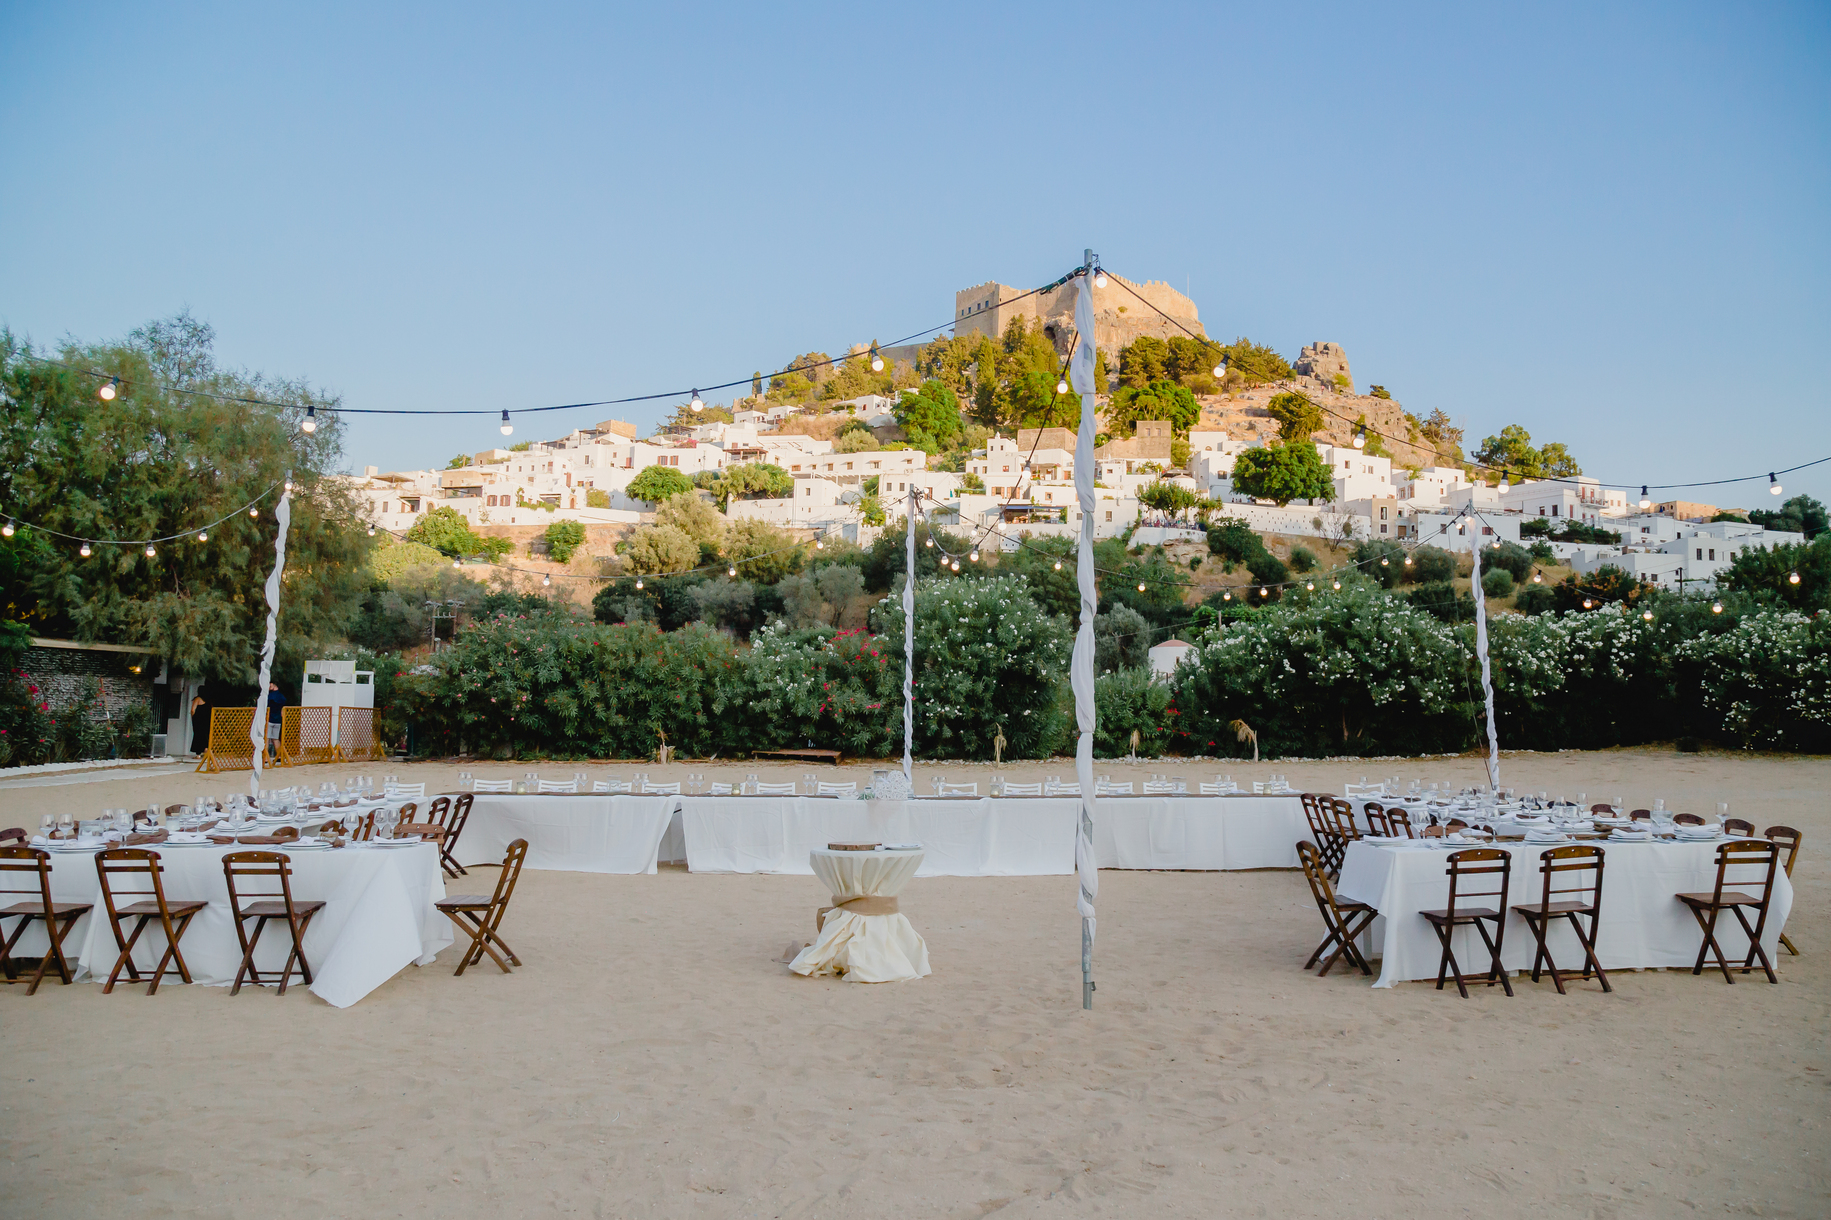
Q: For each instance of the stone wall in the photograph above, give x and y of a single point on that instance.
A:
(1119, 315)
(60, 673)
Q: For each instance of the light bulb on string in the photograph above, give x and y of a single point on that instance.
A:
(1537, 579)
(150, 552)
(1716, 607)
(371, 531)
(310, 422)
(731, 571)
(1264, 592)
(638, 582)
(1360, 439)
(254, 512)
(288, 486)
(7, 529)
(1099, 278)
(204, 535)
(1220, 369)
(507, 428)
(1338, 586)
(1646, 501)
(1647, 614)
(955, 565)
(1311, 586)
(107, 392)
(1058, 565)
(1385, 561)
(1226, 597)
(877, 360)
(83, 550)
(1141, 586)
(973, 556)
(819, 545)
(546, 580)
(1587, 603)
(1792, 578)
(1773, 484)
(930, 542)
(698, 404)
(1408, 561)
(1503, 482)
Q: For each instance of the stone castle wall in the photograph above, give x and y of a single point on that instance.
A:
(1119, 316)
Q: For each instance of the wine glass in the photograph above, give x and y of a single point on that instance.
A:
(464, 781)
(351, 820)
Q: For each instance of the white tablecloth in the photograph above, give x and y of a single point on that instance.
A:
(865, 948)
(1202, 832)
(378, 917)
(996, 836)
(1642, 924)
(596, 833)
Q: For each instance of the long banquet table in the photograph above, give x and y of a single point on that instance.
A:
(961, 837)
(378, 916)
(1642, 925)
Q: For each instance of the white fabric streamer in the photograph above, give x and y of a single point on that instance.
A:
(1081, 668)
(257, 732)
(909, 583)
(1481, 653)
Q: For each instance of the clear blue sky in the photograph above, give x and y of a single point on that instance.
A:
(1604, 222)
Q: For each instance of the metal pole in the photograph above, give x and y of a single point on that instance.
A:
(1087, 525)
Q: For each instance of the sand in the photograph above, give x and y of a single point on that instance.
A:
(652, 1059)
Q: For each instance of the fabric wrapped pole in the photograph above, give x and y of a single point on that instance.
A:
(1081, 668)
(257, 732)
(909, 581)
(1481, 654)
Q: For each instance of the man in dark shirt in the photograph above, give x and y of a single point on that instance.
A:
(275, 702)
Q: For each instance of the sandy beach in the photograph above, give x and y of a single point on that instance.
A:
(652, 1059)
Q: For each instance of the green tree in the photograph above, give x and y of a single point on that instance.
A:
(445, 530)
(1799, 515)
(563, 539)
(1607, 585)
(459, 462)
(696, 518)
(1142, 361)
(1378, 391)
(1497, 582)
(658, 483)
(156, 462)
(858, 440)
(1445, 439)
(1368, 555)
(1164, 400)
(763, 552)
(1254, 363)
(596, 497)
(1282, 473)
(390, 559)
(658, 548)
(1513, 453)
(935, 409)
(1122, 640)
(1297, 416)
(1766, 574)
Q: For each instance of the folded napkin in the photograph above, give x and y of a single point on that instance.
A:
(1696, 832)
(157, 836)
(1632, 836)
(40, 841)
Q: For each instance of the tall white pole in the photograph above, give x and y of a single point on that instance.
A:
(909, 584)
(1481, 654)
(1081, 668)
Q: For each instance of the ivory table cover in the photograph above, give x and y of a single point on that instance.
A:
(1200, 832)
(1642, 924)
(588, 833)
(865, 948)
(378, 917)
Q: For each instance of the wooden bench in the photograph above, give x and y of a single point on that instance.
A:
(825, 756)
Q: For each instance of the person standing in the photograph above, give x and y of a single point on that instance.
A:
(276, 702)
(200, 724)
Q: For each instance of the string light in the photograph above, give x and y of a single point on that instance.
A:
(1311, 586)
(1503, 487)
(1227, 597)
(698, 404)
(1338, 586)
(107, 392)
(371, 531)
(1792, 578)
(955, 565)
(1360, 439)
(507, 428)
(1587, 603)
(1408, 561)
(638, 582)
(731, 571)
(310, 422)
(930, 542)
(150, 552)
(1773, 484)
(254, 512)
(974, 556)
(546, 580)
(1058, 565)
(1061, 385)
(1141, 586)
(1385, 562)
(1647, 614)
(1099, 278)
(1264, 592)
(7, 529)
(877, 360)
(1220, 369)
(1536, 578)
(1716, 607)
(819, 544)
(1646, 501)
(83, 550)
(204, 535)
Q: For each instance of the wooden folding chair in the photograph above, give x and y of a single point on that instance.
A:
(1687, 819)
(1322, 829)
(454, 826)
(479, 917)
(173, 917)
(1399, 822)
(1739, 828)
(16, 864)
(14, 836)
(1640, 815)
(1579, 866)
(1345, 919)
(1377, 822)
(268, 905)
(1788, 838)
(1477, 863)
(1763, 858)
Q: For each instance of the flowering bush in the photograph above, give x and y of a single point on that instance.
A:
(1356, 672)
(1768, 679)
(1127, 700)
(836, 689)
(985, 656)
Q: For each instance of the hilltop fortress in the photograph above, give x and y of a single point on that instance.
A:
(1119, 317)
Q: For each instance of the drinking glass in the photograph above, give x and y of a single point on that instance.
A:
(45, 823)
(750, 784)
(696, 782)
(351, 820)
(809, 783)
(934, 784)
(464, 781)
(998, 784)
(123, 821)
(386, 819)
(1722, 810)
(1050, 785)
